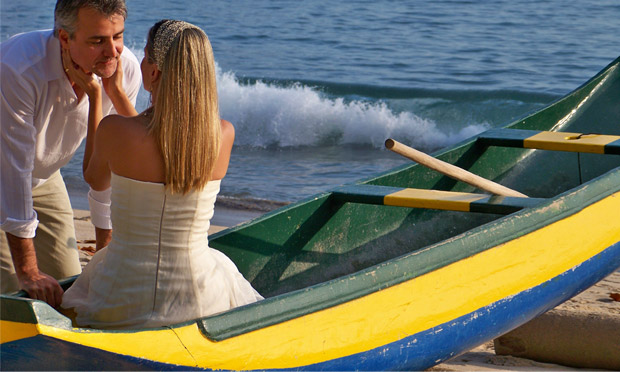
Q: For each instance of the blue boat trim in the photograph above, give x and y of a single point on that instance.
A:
(503, 204)
(516, 138)
(41, 353)
(505, 137)
(613, 148)
(373, 194)
(432, 346)
(471, 330)
(363, 194)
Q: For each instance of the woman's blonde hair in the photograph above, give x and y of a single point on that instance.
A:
(186, 121)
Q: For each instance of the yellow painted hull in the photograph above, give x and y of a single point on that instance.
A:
(449, 297)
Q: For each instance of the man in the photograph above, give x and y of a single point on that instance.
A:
(43, 121)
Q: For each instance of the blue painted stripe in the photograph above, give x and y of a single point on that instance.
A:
(505, 137)
(44, 353)
(503, 204)
(428, 348)
(417, 352)
(613, 148)
(372, 194)
(516, 137)
(365, 194)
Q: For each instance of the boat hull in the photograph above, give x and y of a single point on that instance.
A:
(431, 316)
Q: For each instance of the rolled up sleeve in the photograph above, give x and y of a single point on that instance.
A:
(17, 149)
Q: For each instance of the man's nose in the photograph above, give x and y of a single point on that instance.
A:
(112, 49)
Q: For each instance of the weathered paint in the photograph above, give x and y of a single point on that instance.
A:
(12, 331)
(442, 297)
(432, 199)
(556, 141)
(44, 353)
(427, 301)
(414, 352)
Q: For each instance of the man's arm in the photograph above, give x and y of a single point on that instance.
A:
(18, 219)
(37, 284)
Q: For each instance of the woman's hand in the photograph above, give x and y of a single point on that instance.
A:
(87, 82)
(113, 87)
(114, 84)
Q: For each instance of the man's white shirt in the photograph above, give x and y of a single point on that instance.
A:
(42, 123)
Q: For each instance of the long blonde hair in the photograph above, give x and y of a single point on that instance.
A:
(186, 121)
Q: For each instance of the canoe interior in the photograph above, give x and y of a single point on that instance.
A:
(322, 238)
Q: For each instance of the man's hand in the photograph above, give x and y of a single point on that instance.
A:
(37, 284)
(114, 84)
(113, 87)
(41, 286)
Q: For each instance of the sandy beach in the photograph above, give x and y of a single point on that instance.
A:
(582, 333)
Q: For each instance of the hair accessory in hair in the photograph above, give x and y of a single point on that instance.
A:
(165, 36)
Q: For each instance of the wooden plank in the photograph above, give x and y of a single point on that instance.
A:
(432, 199)
(555, 141)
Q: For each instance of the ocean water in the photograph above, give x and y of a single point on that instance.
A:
(314, 88)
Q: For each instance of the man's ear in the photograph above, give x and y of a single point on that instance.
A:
(63, 36)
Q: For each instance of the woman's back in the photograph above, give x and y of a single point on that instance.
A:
(158, 269)
(132, 151)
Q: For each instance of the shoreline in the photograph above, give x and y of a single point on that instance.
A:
(594, 304)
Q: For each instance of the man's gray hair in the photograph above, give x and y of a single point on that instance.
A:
(66, 12)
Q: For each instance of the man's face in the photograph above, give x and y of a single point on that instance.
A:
(97, 42)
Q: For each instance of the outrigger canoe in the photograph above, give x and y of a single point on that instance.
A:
(400, 271)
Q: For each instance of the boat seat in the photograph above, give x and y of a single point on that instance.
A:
(432, 199)
(558, 141)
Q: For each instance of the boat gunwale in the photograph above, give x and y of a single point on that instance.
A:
(221, 326)
(287, 306)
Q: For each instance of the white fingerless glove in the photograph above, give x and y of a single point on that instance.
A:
(99, 203)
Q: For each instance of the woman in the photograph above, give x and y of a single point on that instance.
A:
(164, 167)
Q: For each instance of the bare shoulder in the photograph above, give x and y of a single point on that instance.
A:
(228, 130)
(122, 127)
(227, 126)
(128, 147)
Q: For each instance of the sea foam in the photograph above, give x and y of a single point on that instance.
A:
(272, 115)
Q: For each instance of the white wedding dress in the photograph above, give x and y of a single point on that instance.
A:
(158, 269)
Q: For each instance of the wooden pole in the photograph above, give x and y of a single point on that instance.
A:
(450, 170)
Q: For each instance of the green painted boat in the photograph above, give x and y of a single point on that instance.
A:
(399, 271)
